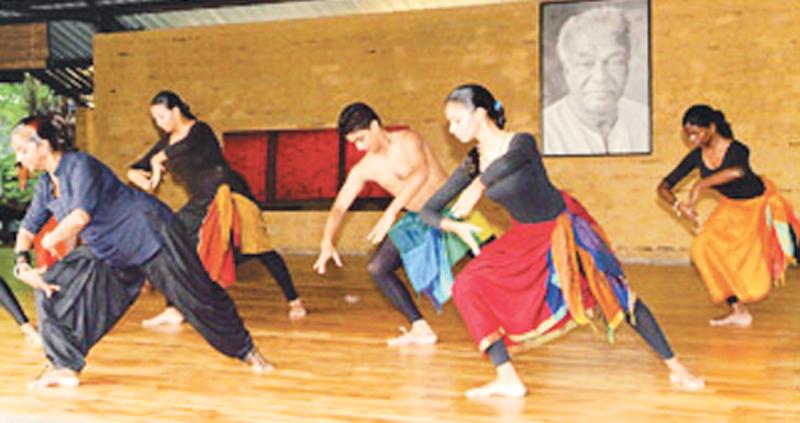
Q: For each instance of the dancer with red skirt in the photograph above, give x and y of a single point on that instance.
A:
(551, 269)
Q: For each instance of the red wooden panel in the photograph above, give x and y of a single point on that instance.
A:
(247, 154)
(307, 165)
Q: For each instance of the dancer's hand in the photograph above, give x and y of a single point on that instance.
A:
(464, 231)
(468, 199)
(140, 178)
(688, 211)
(326, 252)
(379, 231)
(694, 195)
(155, 177)
(33, 277)
(157, 168)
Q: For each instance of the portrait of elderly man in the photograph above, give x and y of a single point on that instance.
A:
(594, 117)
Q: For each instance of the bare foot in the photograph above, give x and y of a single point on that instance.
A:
(498, 388)
(53, 377)
(32, 337)
(296, 310)
(420, 334)
(506, 384)
(687, 381)
(169, 317)
(680, 376)
(257, 362)
(735, 319)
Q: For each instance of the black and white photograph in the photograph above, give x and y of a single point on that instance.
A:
(595, 77)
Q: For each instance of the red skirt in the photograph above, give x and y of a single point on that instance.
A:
(539, 280)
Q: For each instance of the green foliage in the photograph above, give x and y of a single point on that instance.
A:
(10, 194)
(17, 101)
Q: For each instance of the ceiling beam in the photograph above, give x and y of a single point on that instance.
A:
(88, 11)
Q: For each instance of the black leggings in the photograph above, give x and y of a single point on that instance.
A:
(382, 267)
(646, 326)
(277, 268)
(10, 303)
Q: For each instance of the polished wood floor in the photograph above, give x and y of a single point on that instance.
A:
(335, 365)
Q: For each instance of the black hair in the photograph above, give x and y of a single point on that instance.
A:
(475, 96)
(170, 100)
(54, 128)
(704, 115)
(355, 117)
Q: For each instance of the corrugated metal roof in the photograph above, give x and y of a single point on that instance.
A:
(286, 11)
(70, 40)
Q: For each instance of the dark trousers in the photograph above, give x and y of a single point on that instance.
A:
(94, 295)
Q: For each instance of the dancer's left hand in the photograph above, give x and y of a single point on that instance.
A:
(468, 199)
(157, 169)
(464, 231)
(379, 231)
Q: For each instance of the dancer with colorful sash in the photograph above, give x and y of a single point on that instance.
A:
(549, 270)
(748, 241)
(403, 164)
(221, 216)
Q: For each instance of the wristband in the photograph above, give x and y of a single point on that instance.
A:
(25, 255)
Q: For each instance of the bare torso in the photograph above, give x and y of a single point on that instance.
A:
(391, 169)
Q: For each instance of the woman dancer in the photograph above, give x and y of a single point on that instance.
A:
(747, 242)
(221, 214)
(552, 265)
(127, 235)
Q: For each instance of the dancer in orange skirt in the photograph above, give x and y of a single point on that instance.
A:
(546, 273)
(222, 217)
(748, 241)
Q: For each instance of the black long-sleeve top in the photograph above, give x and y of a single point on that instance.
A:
(196, 163)
(749, 185)
(517, 180)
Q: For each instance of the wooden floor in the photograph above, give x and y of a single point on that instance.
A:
(335, 365)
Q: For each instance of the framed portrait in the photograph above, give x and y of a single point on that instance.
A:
(595, 77)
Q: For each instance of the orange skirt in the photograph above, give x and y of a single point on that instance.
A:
(745, 246)
(233, 222)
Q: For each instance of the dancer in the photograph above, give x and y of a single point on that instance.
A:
(554, 263)
(749, 240)
(221, 215)
(402, 163)
(127, 235)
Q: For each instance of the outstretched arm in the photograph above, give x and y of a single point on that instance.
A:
(352, 186)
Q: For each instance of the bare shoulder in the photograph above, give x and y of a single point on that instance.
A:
(409, 138)
(364, 169)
